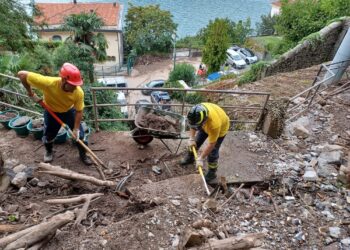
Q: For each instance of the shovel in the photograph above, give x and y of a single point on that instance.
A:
(200, 170)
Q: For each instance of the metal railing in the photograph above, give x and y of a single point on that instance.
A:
(323, 80)
(181, 107)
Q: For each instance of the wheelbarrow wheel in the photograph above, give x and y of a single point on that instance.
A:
(142, 136)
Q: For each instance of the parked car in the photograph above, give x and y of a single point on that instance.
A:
(152, 84)
(142, 103)
(118, 82)
(122, 100)
(161, 97)
(234, 59)
(247, 55)
(235, 47)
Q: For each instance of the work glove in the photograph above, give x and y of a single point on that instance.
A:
(199, 162)
(191, 142)
(76, 133)
(34, 97)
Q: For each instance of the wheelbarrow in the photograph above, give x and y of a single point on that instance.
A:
(144, 134)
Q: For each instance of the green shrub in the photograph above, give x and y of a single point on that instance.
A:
(253, 74)
(278, 48)
(228, 76)
(183, 71)
(194, 98)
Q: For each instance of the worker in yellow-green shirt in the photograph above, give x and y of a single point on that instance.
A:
(206, 120)
(65, 97)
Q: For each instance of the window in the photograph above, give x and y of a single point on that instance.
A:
(56, 38)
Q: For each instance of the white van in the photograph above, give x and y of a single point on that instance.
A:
(117, 81)
(234, 59)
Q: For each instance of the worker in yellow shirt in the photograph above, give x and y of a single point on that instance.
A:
(206, 120)
(65, 98)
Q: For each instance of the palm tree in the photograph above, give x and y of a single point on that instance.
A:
(82, 27)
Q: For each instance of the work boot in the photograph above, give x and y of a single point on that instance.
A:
(83, 157)
(188, 159)
(48, 156)
(211, 175)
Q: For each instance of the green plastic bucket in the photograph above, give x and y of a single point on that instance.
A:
(61, 137)
(5, 122)
(21, 131)
(37, 132)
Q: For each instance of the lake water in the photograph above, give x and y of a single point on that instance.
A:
(192, 15)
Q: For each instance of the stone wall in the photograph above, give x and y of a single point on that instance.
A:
(315, 49)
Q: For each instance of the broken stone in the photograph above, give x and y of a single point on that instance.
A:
(211, 204)
(221, 235)
(150, 235)
(326, 170)
(289, 198)
(42, 184)
(301, 131)
(175, 241)
(156, 169)
(310, 174)
(191, 239)
(103, 243)
(202, 223)
(22, 190)
(194, 201)
(33, 182)
(329, 187)
(333, 157)
(19, 168)
(4, 182)
(334, 232)
(329, 215)
(313, 162)
(20, 180)
(345, 242)
(10, 163)
(12, 208)
(108, 171)
(206, 232)
(300, 236)
(176, 202)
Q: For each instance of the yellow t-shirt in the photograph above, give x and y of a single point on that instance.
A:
(58, 100)
(217, 123)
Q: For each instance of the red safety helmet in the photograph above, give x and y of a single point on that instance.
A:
(72, 74)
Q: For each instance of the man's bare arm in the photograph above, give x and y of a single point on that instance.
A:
(23, 77)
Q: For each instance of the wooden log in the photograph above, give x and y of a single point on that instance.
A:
(247, 241)
(81, 198)
(42, 243)
(71, 175)
(32, 235)
(8, 228)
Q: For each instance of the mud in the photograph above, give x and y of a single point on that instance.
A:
(7, 116)
(165, 123)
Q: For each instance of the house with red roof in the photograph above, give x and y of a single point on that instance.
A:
(52, 17)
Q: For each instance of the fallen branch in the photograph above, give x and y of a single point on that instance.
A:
(42, 243)
(86, 198)
(32, 235)
(232, 196)
(237, 242)
(8, 228)
(71, 175)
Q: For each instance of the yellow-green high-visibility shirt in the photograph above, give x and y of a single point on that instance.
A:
(54, 96)
(217, 123)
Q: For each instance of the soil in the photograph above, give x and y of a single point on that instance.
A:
(7, 116)
(21, 121)
(38, 124)
(163, 205)
(157, 122)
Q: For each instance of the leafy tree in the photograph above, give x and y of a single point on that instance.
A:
(149, 28)
(218, 41)
(13, 26)
(267, 25)
(237, 32)
(183, 71)
(83, 26)
(80, 55)
(303, 17)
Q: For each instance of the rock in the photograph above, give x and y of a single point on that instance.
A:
(42, 184)
(310, 174)
(33, 206)
(191, 239)
(176, 241)
(20, 180)
(4, 183)
(108, 171)
(103, 243)
(334, 232)
(176, 202)
(329, 215)
(22, 190)
(10, 163)
(289, 198)
(194, 201)
(333, 157)
(211, 204)
(150, 235)
(346, 242)
(221, 235)
(326, 170)
(198, 224)
(313, 162)
(206, 232)
(19, 168)
(300, 236)
(11, 208)
(298, 100)
(33, 182)
(301, 131)
(308, 199)
(156, 169)
(330, 188)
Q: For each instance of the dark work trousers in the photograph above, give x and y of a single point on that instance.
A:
(213, 157)
(51, 126)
